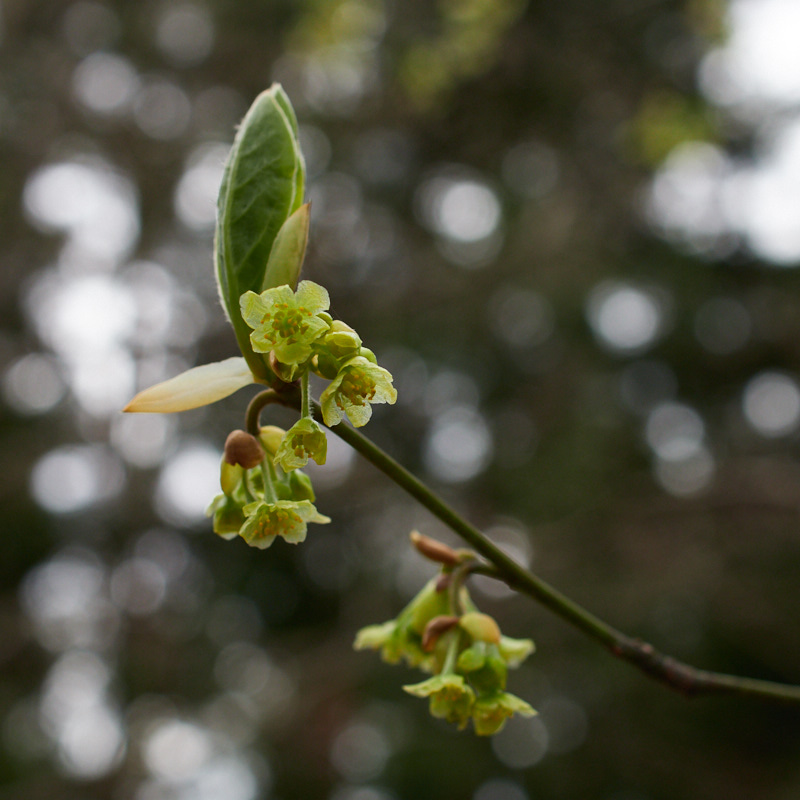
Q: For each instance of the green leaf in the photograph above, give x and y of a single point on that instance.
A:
(262, 186)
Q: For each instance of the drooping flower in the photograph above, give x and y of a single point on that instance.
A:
(227, 515)
(451, 698)
(304, 440)
(490, 711)
(466, 653)
(358, 384)
(515, 651)
(286, 322)
(401, 638)
(383, 637)
(285, 518)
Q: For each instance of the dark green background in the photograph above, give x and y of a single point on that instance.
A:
(710, 578)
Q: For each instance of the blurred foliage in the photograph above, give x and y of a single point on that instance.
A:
(548, 118)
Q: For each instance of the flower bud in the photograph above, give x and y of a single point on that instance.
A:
(428, 603)
(271, 437)
(229, 477)
(481, 627)
(300, 485)
(326, 365)
(342, 341)
(244, 449)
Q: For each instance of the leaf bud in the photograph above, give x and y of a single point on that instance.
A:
(244, 449)
(428, 603)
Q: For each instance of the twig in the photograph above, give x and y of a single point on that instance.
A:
(675, 674)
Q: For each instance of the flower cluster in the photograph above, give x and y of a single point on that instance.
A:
(296, 336)
(260, 501)
(442, 632)
(301, 337)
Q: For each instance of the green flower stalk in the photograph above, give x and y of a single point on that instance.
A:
(286, 322)
(358, 384)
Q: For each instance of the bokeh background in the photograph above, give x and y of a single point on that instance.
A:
(570, 229)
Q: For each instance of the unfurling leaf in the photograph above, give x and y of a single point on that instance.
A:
(262, 187)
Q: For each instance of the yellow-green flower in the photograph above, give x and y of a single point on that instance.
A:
(451, 698)
(227, 515)
(515, 651)
(286, 518)
(384, 637)
(401, 638)
(490, 711)
(359, 383)
(304, 440)
(286, 322)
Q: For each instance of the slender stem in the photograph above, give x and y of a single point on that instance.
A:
(516, 576)
(452, 650)
(256, 406)
(457, 578)
(268, 471)
(679, 676)
(305, 395)
(248, 490)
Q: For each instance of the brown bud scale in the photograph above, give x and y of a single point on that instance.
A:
(434, 630)
(434, 549)
(244, 449)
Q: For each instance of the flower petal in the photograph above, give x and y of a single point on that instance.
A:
(313, 296)
(196, 387)
(253, 308)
